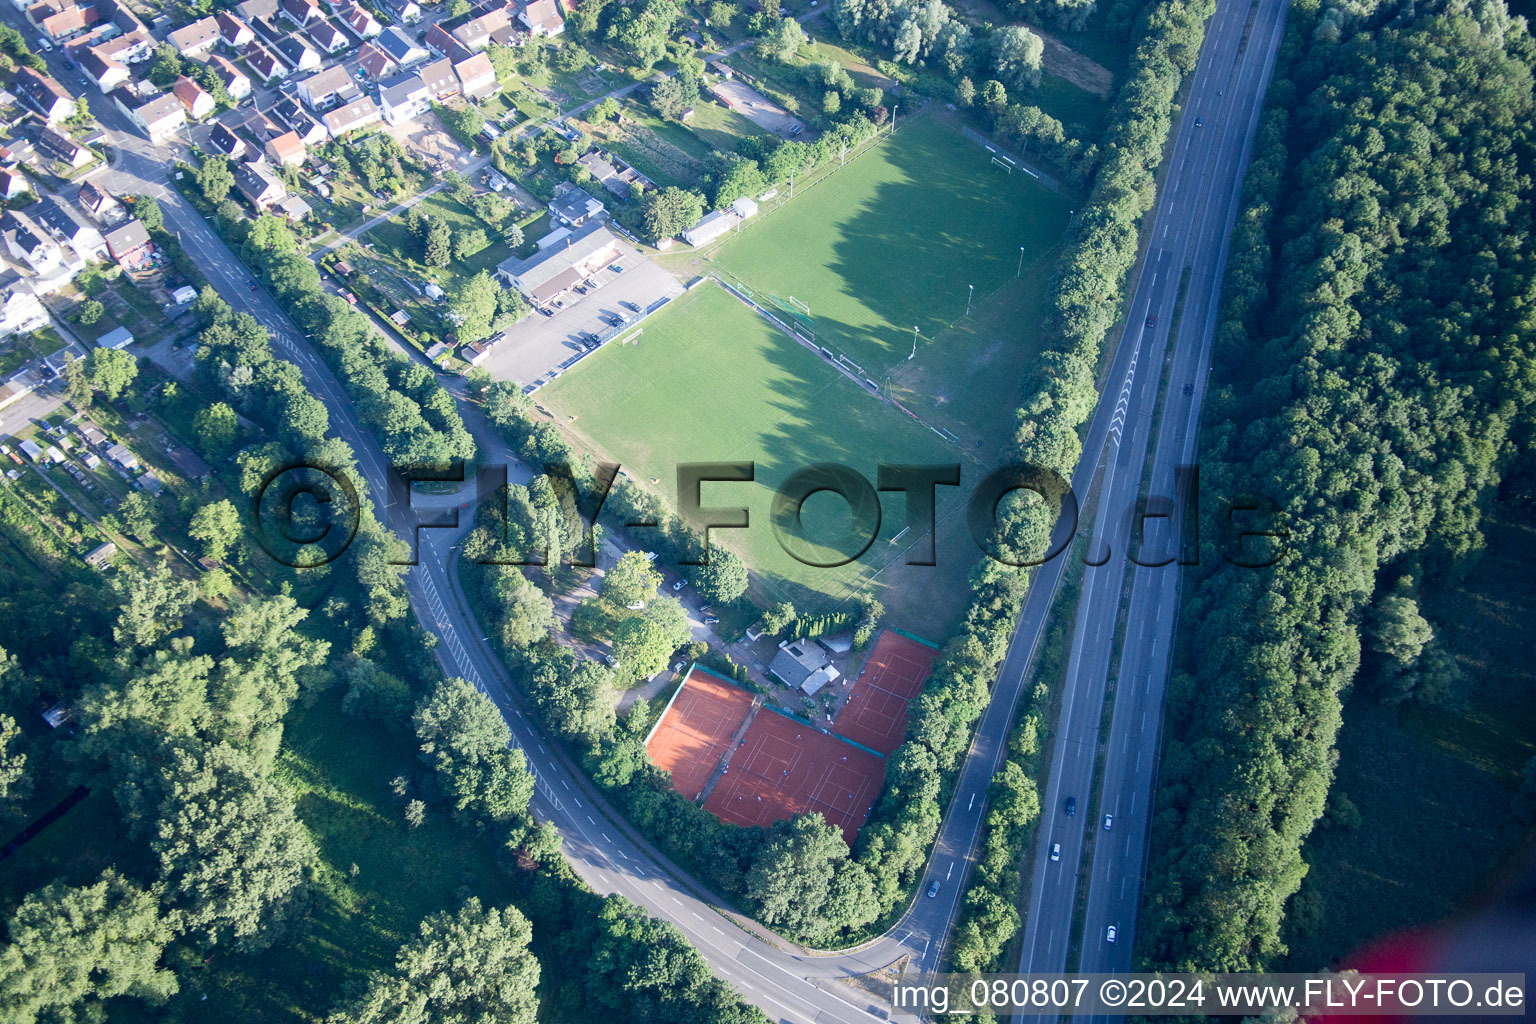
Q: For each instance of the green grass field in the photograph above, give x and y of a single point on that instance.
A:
(710, 380)
(895, 240)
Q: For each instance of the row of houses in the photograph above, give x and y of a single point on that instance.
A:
(43, 247)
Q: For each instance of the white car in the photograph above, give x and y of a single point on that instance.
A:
(1109, 936)
(679, 585)
(1055, 851)
(1109, 819)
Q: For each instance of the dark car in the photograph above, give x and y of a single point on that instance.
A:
(631, 306)
(1151, 320)
(1071, 805)
(933, 890)
(1199, 121)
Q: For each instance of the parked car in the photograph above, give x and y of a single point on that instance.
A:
(633, 307)
(615, 268)
(710, 620)
(679, 585)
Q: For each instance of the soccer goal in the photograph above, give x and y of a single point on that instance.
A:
(802, 307)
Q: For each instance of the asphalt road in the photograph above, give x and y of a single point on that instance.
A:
(788, 983)
(1155, 426)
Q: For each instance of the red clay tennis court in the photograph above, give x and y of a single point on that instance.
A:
(696, 728)
(876, 712)
(784, 767)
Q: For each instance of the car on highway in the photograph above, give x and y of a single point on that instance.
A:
(1071, 805)
(1151, 320)
(1055, 851)
(1199, 121)
(1109, 819)
(933, 890)
(1109, 935)
(679, 585)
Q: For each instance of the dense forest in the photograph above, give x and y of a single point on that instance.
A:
(200, 863)
(1375, 379)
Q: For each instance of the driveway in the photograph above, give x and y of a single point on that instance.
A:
(542, 345)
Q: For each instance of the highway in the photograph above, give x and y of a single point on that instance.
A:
(1156, 428)
(790, 984)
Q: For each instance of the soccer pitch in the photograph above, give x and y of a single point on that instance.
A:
(709, 380)
(896, 240)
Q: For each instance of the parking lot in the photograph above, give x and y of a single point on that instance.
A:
(542, 344)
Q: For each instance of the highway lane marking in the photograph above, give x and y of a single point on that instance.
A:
(606, 837)
(589, 819)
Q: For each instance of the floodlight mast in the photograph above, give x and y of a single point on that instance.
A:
(968, 297)
(914, 344)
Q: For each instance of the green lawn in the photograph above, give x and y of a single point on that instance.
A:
(710, 380)
(891, 241)
(1433, 784)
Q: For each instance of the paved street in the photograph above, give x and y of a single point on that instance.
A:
(1190, 230)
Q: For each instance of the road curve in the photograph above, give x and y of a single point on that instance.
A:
(790, 984)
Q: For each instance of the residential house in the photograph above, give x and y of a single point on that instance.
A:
(21, 311)
(477, 77)
(354, 116)
(133, 48)
(226, 141)
(574, 207)
(235, 33)
(61, 148)
(361, 20)
(198, 101)
(261, 127)
(28, 243)
(444, 45)
(299, 54)
(100, 204)
(18, 151)
(407, 12)
(197, 39)
(542, 18)
(250, 10)
(106, 72)
(403, 97)
(69, 227)
(328, 37)
(325, 89)
(400, 48)
(264, 63)
(710, 227)
(300, 12)
(236, 82)
(259, 185)
(287, 150)
(129, 243)
(56, 364)
(552, 270)
(290, 113)
(68, 22)
(475, 34)
(158, 117)
(440, 81)
(117, 337)
(44, 95)
(12, 183)
(376, 63)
